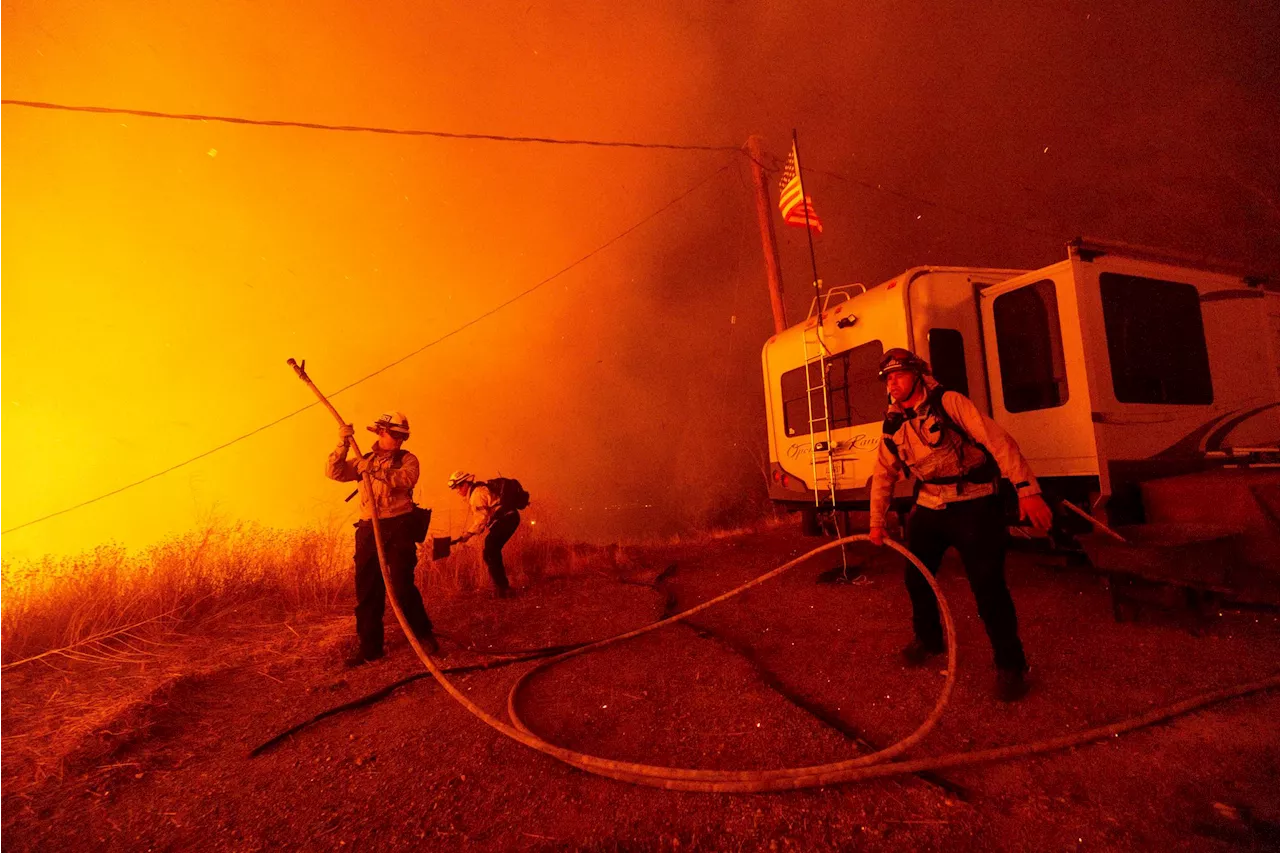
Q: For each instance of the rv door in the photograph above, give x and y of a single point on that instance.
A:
(1035, 363)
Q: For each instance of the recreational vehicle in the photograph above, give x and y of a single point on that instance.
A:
(1113, 367)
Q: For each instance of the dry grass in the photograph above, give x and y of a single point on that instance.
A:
(97, 646)
(75, 718)
(111, 606)
(108, 604)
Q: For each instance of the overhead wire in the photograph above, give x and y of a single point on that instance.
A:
(495, 137)
(356, 128)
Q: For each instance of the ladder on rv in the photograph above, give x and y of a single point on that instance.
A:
(824, 473)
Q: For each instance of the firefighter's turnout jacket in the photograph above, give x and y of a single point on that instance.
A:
(931, 450)
(393, 476)
(485, 507)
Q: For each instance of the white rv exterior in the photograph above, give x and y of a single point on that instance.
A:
(1111, 367)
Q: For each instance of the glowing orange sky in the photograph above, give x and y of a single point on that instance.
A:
(157, 274)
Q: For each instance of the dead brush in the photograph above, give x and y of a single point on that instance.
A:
(109, 606)
(101, 648)
(84, 724)
(73, 717)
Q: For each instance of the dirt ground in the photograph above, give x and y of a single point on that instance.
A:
(791, 673)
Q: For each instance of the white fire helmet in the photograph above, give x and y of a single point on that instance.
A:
(393, 422)
(457, 478)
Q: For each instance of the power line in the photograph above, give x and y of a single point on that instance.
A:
(521, 295)
(353, 128)
(493, 137)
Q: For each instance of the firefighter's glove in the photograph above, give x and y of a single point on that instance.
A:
(364, 465)
(345, 432)
(1033, 508)
(877, 535)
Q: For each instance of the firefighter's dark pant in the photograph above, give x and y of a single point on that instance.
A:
(502, 529)
(402, 556)
(977, 530)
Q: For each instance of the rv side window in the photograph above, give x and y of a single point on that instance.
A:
(855, 393)
(1033, 370)
(946, 357)
(1155, 337)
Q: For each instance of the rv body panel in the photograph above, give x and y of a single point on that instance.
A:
(942, 318)
(1036, 369)
(858, 331)
(1214, 335)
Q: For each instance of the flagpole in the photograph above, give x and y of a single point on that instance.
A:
(822, 348)
(804, 200)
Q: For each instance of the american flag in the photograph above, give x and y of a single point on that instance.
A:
(795, 207)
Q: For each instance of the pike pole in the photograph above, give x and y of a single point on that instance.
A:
(366, 482)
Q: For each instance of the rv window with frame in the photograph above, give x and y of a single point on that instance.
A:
(946, 358)
(1033, 371)
(855, 394)
(1155, 338)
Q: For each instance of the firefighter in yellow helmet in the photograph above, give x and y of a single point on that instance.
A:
(957, 456)
(394, 473)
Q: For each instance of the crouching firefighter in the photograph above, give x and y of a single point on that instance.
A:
(393, 473)
(957, 456)
(494, 510)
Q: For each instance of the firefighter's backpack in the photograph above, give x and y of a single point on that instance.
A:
(511, 495)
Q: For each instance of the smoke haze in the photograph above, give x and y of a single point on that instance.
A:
(157, 274)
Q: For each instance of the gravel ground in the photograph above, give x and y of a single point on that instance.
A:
(791, 673)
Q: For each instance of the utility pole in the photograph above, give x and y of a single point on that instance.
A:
(764, 215)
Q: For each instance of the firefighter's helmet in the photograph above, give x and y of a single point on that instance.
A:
(393, 422)
(902, 359)
(457, 478)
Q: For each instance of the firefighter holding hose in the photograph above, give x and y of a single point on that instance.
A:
(393, 472)
(957, 456)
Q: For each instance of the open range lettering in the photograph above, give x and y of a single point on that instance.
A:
(861, 441)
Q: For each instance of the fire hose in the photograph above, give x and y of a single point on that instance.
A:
(881, 763)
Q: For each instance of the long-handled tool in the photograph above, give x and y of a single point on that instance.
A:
(367, 483)
(1098, 525)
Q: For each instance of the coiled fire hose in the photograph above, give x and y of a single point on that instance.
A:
(871, 765)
